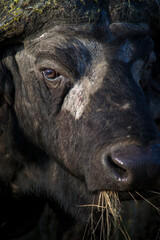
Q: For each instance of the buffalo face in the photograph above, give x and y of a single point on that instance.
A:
(78, 98)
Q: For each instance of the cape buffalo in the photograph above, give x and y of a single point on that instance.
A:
(75, 122)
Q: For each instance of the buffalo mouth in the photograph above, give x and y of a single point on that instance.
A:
(106, 212)
(128, 195)
(131, 175)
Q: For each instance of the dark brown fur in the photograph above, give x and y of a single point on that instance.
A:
(45, 152)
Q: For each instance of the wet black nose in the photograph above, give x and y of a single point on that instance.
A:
(133, 167)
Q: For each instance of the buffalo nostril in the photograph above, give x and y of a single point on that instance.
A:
(116, 168)
(124, 168)
(133, 167)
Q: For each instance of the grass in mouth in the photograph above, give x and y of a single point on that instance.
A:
(109, 208)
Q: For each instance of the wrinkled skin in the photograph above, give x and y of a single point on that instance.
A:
(67, 127)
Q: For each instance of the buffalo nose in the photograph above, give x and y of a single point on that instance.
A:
(133, 167)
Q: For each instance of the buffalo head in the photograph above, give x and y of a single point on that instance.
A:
(80, 120)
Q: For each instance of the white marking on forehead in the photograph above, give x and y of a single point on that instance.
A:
(79, 96)
(77, 100)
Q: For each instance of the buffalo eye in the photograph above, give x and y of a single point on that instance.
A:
(50, 74)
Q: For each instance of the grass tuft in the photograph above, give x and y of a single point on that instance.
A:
(109, 208)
